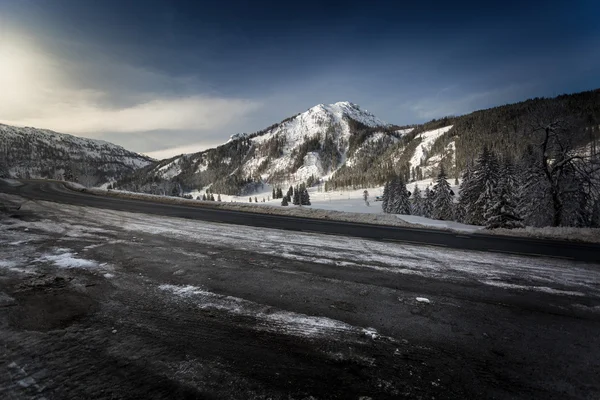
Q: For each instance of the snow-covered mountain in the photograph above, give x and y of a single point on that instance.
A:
(306, 147)
(41, 153)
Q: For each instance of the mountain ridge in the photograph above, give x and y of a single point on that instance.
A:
(42, 153)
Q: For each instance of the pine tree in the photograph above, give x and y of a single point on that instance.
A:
(443, 207)
(296, 198)
(428, 203)
(250, 199)
(502, 212)
(400, 203)
(218, 197)
(483, 185)
(467, 195)
(204, 197)
(212, 197)
(255, 199)
(534, 203)
(284, 201)
(385, 204)
(417, 201)
(304, 197)
(274, 193)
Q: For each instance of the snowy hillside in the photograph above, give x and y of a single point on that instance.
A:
(40, 153)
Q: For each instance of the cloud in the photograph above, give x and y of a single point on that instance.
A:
(197, 113)
(92, 98)
(187, 149)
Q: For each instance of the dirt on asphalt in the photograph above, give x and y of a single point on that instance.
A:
(101, 312)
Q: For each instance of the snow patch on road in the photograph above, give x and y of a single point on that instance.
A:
(269, 318)
(66, 259)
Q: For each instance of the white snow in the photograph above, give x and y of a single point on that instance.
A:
(427, 140)
(544, 289)
(423, 300)
(436, 223)
(271, 319)
(68, 260)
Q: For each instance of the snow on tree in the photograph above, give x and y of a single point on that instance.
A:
(467, 195)
(479, 189)
(304, 196)
(417, 201)
(571, 176)
(385, 204)
(534, 203)
(443, 207)
(400, 197)
(502, 212)
(428, 203)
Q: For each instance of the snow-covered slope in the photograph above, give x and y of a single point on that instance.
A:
(40, 153)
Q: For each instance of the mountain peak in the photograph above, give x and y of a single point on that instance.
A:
(348, 109)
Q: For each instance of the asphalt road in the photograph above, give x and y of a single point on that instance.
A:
(55, 191)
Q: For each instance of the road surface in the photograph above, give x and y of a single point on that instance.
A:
(56, 191)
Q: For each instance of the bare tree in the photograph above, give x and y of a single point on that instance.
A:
(566, 168)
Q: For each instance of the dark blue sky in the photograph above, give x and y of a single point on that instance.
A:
(405, 62)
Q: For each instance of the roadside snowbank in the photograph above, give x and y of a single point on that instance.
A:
(436, 223)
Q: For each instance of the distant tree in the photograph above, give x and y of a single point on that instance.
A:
(250, 199)
(255, 199)
(442, 202)
(274, 193)
(218, 197)
(417, 201)
(385, 203)
(481, 187)
(296, 196)
(502, 212)
(428, 203)
(212, 197)
(366, 197)
(284, 201)
(399, 202)
(304, 197)
(204, 197)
